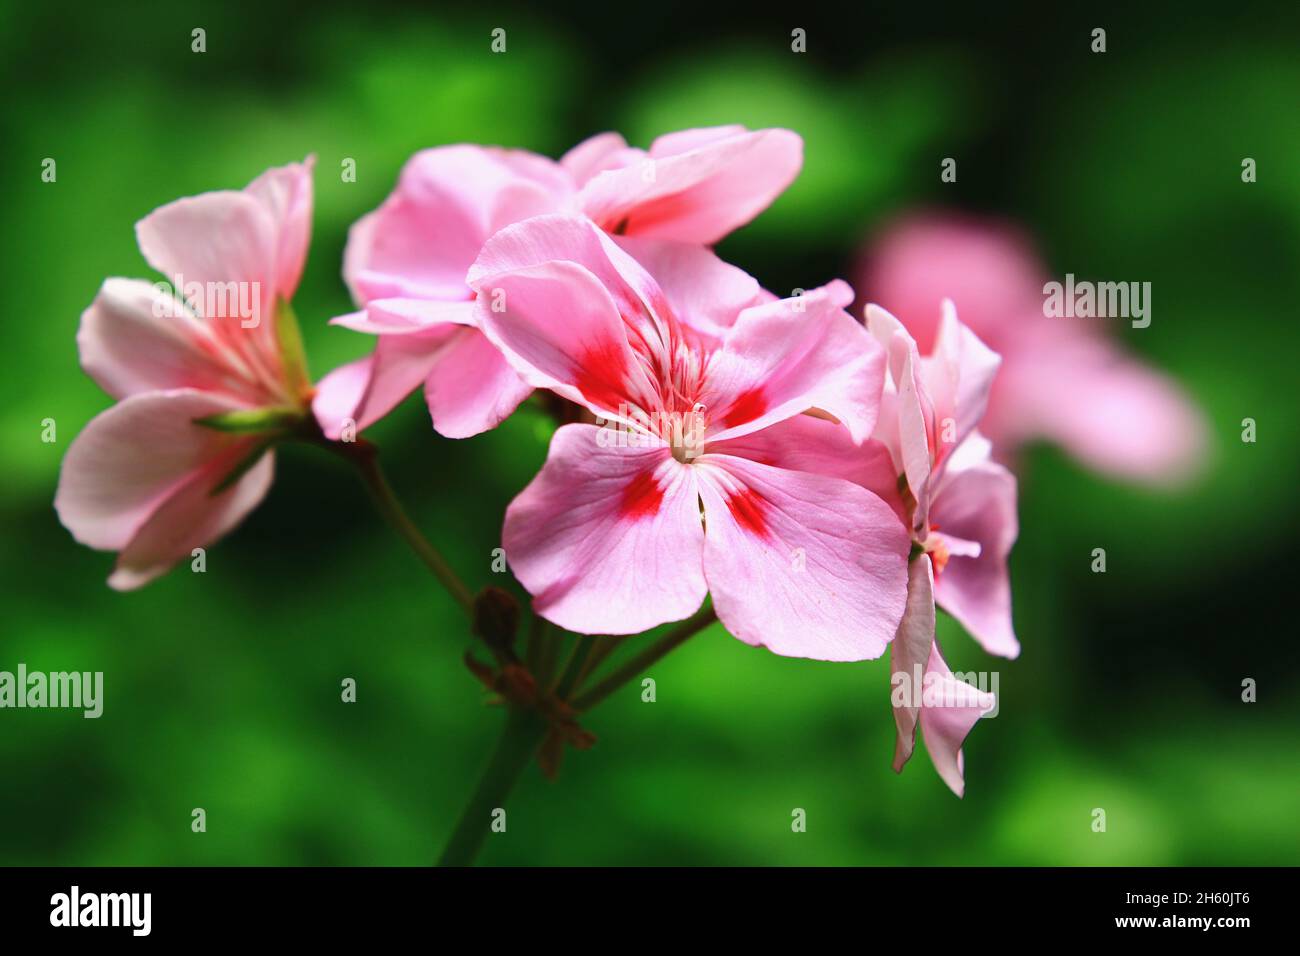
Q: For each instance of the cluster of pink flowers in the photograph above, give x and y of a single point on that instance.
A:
(817, 476)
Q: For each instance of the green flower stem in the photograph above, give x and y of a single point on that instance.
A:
(366, 458)
(604, 646)
(634, 667)
(577, 665)
(523, 734)
(525, 729)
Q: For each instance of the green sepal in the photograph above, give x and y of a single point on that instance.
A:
(292, 353)
(246, 421)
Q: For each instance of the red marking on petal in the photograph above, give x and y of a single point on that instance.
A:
(749, 510)
(746, 408)
(601, 376)
(641, 498)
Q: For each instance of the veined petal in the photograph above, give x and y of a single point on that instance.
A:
(695, 186)
(401, 316)
(472, 388)
(976, 502)
(421, 242)
(555, 320)
(924, 692)
(949, 711)
(807, 443)
(135, 338)
(908, 656)
(286, 193)
(216, 239)
(595, 154)
(640, 300)
(608, 540)
(701, 289)
(958, 377)
(803, 564)
(144, 458)
(190, 518)
(791, 355)
(910, 425)
(366, 390)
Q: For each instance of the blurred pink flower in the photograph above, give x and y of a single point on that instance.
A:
(406, 262)
(1062, 378)
(702, 380)
(142, 478)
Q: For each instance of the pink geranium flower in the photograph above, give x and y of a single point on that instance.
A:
(143, 478)
(406, 262)
(692, 485)
(961, 509)
(1062, 378)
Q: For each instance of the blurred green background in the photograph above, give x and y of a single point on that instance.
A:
(222, 689)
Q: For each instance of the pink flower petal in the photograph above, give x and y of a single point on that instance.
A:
(406, 316)
(688, 300)
(806, 443)
(608, 540)
(339, 393)
(976, 502)
(449, 200)
(908, 656)
(134, 338)
(785, 357)
(573, 239)
(695, 186)
(988, 269)
(472, 388)
(805, 565)
(286, 193)
(1122, 418)
(686, 140)
(593, 155)
(701, 289)
(366, 390)
(958, 379)
(469, 386)
(214, 239)
(145, 458)
(908, 426)
(946, 727)
(557, 321)
(190, 518)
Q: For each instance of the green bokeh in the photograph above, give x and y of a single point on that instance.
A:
(222, 689)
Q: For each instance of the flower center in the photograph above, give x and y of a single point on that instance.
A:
(684, 432)
(937, 548)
